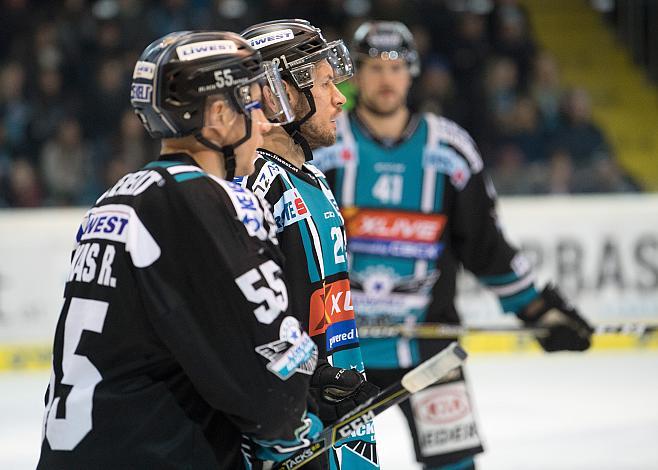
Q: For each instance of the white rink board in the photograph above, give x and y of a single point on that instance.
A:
(603, 252)
(35, 249)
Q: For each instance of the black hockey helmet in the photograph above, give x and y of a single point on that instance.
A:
(388, 40)
(296, 46)
(176, 74)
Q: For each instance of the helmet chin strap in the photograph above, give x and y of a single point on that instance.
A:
(293, 129)
(228, 151)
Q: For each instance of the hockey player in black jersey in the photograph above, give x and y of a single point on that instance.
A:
(417, 205)
(310, 227)
(176, 341)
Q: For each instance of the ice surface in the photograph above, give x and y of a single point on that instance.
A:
(536, 412)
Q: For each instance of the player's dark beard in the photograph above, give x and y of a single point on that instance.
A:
(316, 136)
(378, 111)
(312, 131)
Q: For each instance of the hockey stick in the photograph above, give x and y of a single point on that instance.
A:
(417, 379)
(444, 331)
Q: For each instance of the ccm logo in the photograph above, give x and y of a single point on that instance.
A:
(442, 407)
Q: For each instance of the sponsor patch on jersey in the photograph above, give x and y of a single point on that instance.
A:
(293, 352)
(379, 293)
(341, 334)
(141, 92)
(198, 50)
(249, 211)
(447, 161)
(328, 158)
(266, 176)
(267, 39)
(394, 233)
(144, 69)
(330, 304)
(120, 223)
(445, 421)
(290, 209)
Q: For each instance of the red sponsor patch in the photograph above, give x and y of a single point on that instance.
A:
(393, 225)
(346, 154)
(442, 407)
(300, 206)
(330, 304)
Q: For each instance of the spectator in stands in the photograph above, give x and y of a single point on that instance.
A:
(510, 35)
(501, 94)
(468, 56)
(66, 165)
(581, 141)
(437, 93)
(15, 110)
(5, 166)
(49, 108)
(132, 146)
(24, 188)
(526, 132)
(546, 89)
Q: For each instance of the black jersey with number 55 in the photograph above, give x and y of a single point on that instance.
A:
(175, 338)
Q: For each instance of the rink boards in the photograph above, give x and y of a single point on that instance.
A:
(601, 250)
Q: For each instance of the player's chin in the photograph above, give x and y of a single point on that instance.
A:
(329, 137)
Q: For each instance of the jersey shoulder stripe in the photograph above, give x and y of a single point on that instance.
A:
(261, 181)
(442, 130)
(250, 210)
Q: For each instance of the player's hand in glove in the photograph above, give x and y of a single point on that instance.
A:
(567, 330)
(338, 391)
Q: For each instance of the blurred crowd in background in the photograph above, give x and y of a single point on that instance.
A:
(67, 130)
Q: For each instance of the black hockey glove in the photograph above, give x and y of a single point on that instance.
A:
(567, 330)
(338, 391)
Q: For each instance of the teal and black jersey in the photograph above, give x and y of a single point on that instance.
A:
(415, 210)
(176, 338)
(311, 234)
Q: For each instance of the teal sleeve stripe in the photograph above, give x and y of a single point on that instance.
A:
(162, 164)
(499, 280)
(180, 177)
(308, 250)
(438, 196)
(515, 303)
(379, 353)
(414, 346)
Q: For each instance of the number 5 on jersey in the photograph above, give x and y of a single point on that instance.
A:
(66, 432)
(272, 299)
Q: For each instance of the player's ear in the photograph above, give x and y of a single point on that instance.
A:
(219, 114)
(268, 98)
(292, 94)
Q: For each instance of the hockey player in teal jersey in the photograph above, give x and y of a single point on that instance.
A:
(310, 227)
(417, 205)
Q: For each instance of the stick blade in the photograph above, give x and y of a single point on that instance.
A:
(434, 368)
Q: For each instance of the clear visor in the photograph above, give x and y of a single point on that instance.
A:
(335, 53)
(266, 91)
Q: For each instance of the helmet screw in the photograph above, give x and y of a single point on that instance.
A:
(187, 115)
